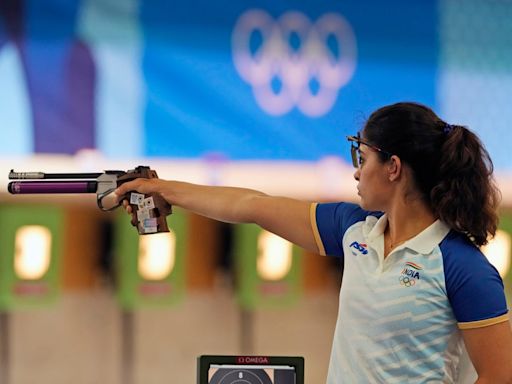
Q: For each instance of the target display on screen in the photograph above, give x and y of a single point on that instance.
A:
(250, 370)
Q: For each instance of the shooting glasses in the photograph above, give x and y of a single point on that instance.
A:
(355, 151)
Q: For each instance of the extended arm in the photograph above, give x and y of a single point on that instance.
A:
(490, 350)
(288, 218)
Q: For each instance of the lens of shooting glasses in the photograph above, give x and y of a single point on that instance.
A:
(354, 151)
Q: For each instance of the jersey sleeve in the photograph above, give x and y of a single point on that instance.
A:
(474, 286)
(330, 221)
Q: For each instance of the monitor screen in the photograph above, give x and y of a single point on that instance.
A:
(221, 369)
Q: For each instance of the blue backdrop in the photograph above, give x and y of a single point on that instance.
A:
(249, 80)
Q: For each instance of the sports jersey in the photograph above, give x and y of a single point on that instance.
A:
(400, 316)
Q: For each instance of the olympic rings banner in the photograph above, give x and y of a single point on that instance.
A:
(249, 80)
(293, 65)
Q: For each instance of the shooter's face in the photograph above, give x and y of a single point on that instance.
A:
(373, 185)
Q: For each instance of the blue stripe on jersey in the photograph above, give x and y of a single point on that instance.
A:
(474, 286)
(333, 220)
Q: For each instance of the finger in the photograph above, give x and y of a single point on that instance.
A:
(134, 185)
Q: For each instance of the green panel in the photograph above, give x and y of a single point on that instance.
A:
(14, 291)
(132, 290)
(252, 290)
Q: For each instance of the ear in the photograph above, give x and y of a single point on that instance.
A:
(395, 168)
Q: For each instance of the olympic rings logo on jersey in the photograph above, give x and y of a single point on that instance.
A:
(407, 281)
(292, 62)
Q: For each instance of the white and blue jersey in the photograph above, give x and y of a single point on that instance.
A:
(400, 317)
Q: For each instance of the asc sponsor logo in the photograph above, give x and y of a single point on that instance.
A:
(410, 274)
(362, 248)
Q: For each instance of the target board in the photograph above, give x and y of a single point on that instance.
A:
(222, 369)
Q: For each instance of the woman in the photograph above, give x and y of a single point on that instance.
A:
(416, 289)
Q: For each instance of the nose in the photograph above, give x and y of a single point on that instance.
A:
(357, 173)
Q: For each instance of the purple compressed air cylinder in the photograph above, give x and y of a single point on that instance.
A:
(28, 187)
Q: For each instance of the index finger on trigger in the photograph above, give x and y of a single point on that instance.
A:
(124, 188)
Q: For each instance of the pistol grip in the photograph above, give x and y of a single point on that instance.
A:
(149, 213)
(163, 209)
(162, 224)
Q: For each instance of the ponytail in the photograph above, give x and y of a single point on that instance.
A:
(452, 169)
(466, 197)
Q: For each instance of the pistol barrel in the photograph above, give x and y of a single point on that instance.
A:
(41, 175)
(33, 187)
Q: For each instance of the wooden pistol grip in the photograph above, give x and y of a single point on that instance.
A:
(162, 210)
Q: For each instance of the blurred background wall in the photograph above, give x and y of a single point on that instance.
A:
(253, 94)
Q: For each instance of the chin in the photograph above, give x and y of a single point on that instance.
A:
(367, 206)
(363, 204)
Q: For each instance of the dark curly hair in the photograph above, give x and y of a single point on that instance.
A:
(452, 169)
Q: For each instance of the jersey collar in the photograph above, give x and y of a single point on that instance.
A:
(424, 242)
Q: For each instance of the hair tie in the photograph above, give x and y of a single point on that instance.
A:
(447, 128)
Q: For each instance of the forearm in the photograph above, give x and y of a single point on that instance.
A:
(229, 204)
(288, 218)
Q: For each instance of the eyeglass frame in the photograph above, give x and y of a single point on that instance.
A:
(355, 152)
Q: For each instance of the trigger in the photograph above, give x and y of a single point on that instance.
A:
(107, 201)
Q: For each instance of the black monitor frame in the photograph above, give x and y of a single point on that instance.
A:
(205, 361)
